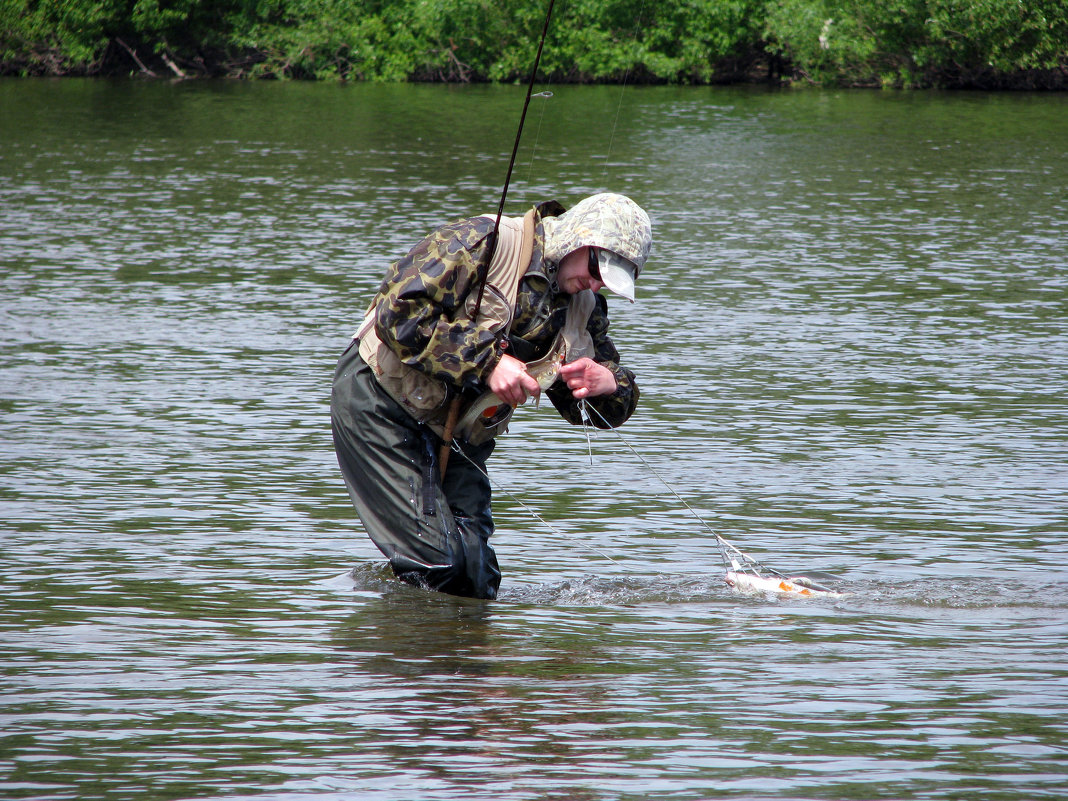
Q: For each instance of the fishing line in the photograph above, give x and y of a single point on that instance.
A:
(744, 573)
(537, 134)
(454, 407)
(587, 424)
(497, 485)
(515, 147)
(727, 551)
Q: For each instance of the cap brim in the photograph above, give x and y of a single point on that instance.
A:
(617, 273)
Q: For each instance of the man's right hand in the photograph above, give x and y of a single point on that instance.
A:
(511, 382)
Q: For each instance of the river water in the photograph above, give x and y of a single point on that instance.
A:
(852, 347)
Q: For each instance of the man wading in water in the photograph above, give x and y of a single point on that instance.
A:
(421, 345)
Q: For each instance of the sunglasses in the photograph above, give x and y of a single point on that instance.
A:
(595, 265)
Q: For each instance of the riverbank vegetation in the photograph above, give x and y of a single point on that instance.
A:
(891, 43)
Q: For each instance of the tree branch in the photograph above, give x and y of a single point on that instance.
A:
(133, 55)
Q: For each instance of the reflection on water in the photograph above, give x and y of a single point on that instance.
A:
(851, 345)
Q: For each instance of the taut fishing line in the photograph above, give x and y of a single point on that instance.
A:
(727, 550)
(456, 447)
(744, 573)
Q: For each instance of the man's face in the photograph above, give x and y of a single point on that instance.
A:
(575, 275)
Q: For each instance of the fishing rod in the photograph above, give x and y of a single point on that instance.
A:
(454, 407)
(744, 573)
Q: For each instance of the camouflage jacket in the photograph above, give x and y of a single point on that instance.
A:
(422, 318)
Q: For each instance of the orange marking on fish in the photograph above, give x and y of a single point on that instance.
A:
(754, 585)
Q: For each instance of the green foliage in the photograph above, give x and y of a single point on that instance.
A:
(668, 40)
(849, 42)
(996, 35)
(320, 39)
(921, 42)
(63, 35)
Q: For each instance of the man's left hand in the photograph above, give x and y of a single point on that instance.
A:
(588, 379)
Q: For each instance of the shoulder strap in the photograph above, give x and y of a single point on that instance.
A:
(515, 246)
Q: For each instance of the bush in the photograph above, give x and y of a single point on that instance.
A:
(847, 42)
(922, 42)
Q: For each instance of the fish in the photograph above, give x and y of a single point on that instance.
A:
(488, 415)
(800, 586)
(546, 369)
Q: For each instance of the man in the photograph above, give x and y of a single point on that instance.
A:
(463, 320)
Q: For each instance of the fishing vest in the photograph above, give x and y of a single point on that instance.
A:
(426, 398)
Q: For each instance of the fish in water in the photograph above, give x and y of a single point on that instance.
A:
(797, 585)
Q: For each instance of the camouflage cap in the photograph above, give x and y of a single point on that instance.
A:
(614, 224)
